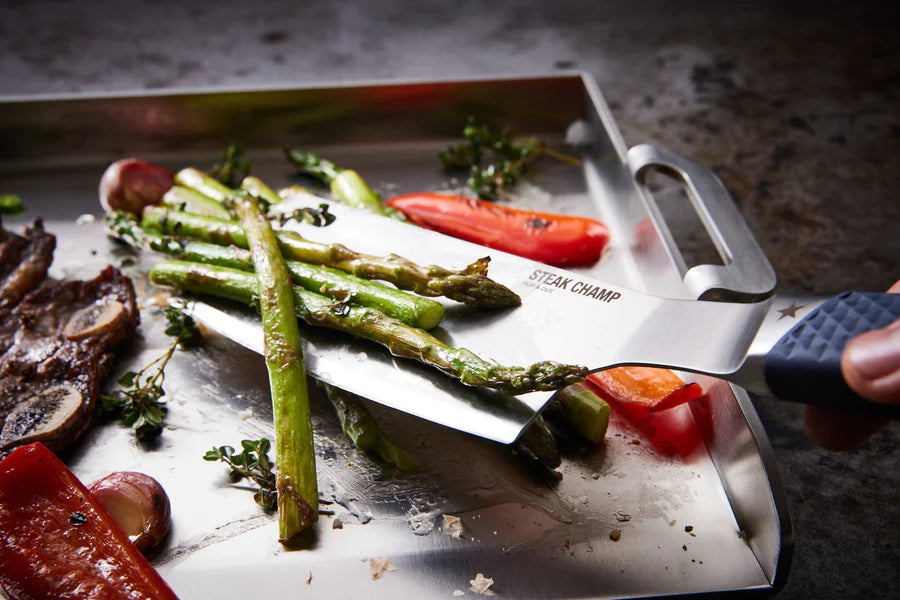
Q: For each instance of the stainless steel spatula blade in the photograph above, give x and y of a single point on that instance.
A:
(370, 371)
(571, 318)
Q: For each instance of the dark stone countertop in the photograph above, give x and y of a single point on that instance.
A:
(793, 105)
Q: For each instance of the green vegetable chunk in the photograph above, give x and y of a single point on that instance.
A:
(11, 204)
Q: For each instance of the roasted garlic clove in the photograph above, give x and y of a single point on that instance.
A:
(131, 184)
(137, 503)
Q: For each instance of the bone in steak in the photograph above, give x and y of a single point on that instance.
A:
(59, 344)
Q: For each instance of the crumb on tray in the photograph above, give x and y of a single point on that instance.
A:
(453, 526)
(481, 585)
(380, 566)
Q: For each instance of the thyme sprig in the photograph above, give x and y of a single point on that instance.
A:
(252, 463)
(182, 327)
(318, 217)
(125, 228)
(494, 162)
(140, 404)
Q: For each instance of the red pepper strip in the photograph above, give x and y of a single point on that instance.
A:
(59, 542)
(644, 388)
(559, 240)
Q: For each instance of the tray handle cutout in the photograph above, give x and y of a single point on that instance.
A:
(742, 273)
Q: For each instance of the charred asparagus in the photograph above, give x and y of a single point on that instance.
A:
(360, 427)
(424, 313)
(346, 185)
(298, 496)
(470, 285)
(402, 340)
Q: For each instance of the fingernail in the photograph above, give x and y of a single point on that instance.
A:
(876, 354)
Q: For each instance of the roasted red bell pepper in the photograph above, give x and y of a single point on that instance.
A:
(559, 240)
(643, 388)
(57, 540)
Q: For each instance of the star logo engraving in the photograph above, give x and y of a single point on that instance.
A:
(790, 311)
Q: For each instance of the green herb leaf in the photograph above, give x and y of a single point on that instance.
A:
(124, 227)
(182, 327)
(252, 463)
(139, 404)
(319, 217)
(505, 160)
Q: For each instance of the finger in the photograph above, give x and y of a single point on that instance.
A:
(837, 430)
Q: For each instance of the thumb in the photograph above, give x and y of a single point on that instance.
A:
(871, 364)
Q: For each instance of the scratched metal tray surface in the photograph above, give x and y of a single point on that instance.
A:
(693, 492)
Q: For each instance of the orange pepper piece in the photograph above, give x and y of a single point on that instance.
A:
(649, 388)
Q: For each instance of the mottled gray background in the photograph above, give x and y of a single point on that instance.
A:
(792, 104)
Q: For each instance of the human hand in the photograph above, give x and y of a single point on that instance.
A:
(871, 366)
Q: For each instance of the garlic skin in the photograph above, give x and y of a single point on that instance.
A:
(137, 503)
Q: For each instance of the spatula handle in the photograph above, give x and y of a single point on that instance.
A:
(805, 364)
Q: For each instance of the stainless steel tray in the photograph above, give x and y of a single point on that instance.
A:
(694, 492)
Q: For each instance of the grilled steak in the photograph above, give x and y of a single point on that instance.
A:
(24, 260)
(59, 343)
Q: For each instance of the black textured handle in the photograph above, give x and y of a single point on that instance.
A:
(805, 364)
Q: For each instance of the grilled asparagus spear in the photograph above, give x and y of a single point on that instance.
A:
(424, 313)
(346, 185)
(352, 190)
(360, 427)
(188, 200)
(298, 496)
(585, 410)
(417, 311)
(401, 339)
(470, 285)
(204, 184)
